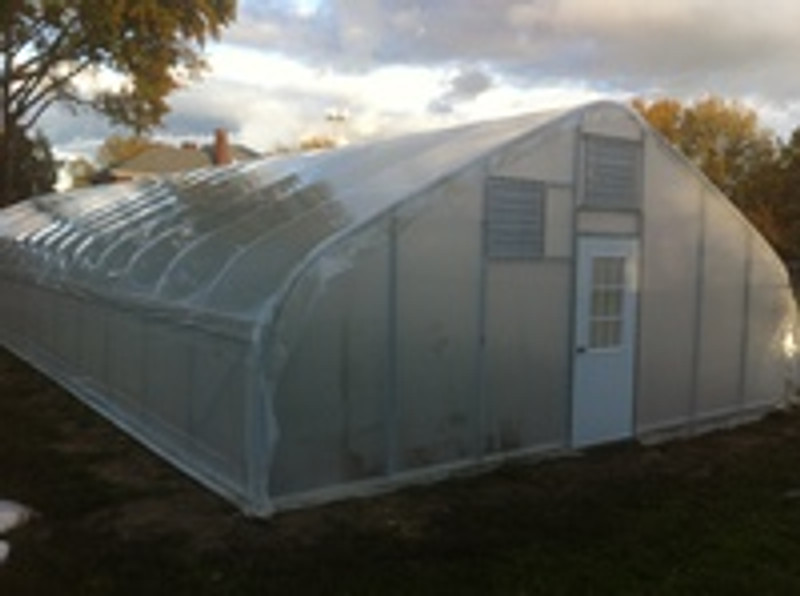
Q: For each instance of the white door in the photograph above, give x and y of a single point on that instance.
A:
(605, 333)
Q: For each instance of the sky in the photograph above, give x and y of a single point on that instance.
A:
(359, 69)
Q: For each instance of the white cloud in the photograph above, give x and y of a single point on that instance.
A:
(273, 99)
(636, 44)
(395, 65)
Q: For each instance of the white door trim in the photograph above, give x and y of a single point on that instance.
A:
(604, 343)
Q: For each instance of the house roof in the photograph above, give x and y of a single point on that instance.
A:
(228, 240)
(165, 159)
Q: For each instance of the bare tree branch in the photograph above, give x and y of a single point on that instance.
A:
(40, 109)
(57, 83)
(45, 58)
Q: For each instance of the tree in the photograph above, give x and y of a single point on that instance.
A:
(33, 166)
(784, 196)
(755, 169)
(723, 138)
(47, 44)
(316, 143)
(665, 115)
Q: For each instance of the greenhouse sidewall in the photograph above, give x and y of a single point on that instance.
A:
(180, 389)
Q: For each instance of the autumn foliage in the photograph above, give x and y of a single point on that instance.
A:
(755, 168)
(46, 45)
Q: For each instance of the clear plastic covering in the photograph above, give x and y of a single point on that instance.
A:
(318, 325)
(154, 301)
(197, 239)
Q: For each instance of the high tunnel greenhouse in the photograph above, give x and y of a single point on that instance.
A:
(304, 328)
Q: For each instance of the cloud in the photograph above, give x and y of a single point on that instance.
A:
(469, 83)
(396, 65)
(682, 44)
(268, 100)
(73, 133)
(466, 85)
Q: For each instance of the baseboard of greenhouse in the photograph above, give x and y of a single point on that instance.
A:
(705, 422)
(418, 477)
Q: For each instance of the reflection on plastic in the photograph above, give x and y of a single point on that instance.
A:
(12, 515)
(789, 345)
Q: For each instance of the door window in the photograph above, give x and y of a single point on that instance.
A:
(607, 303)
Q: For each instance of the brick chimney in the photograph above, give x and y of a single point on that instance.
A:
(222, 148)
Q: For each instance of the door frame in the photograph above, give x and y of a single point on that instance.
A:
(630, 247)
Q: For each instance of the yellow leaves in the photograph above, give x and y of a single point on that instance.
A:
(723, 137)
(726, 141)
(664, 115)
(154, 44)
(317, 143)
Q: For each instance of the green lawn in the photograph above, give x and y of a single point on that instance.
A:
(718, 514)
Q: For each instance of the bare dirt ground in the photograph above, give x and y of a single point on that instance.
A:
(719, 514)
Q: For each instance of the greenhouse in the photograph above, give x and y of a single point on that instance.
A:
(302, 328)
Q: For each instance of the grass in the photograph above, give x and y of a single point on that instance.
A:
(719, 514)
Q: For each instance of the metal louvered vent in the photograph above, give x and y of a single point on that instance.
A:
(612, 172)
(514, 218)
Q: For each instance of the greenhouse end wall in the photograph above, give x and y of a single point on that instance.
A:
(390, 321)
(716, 306)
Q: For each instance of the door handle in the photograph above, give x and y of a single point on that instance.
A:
(581, 349)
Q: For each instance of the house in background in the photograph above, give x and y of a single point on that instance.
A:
(160, 160)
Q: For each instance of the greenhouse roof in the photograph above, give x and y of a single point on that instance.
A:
(224, 240)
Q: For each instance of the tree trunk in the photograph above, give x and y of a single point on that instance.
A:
(8, 193)
(8, 142)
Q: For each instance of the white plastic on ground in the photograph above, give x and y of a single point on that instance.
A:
(12, 515)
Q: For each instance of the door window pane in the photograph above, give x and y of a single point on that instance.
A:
(608, 271)
(607, 302)
(605, 334)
